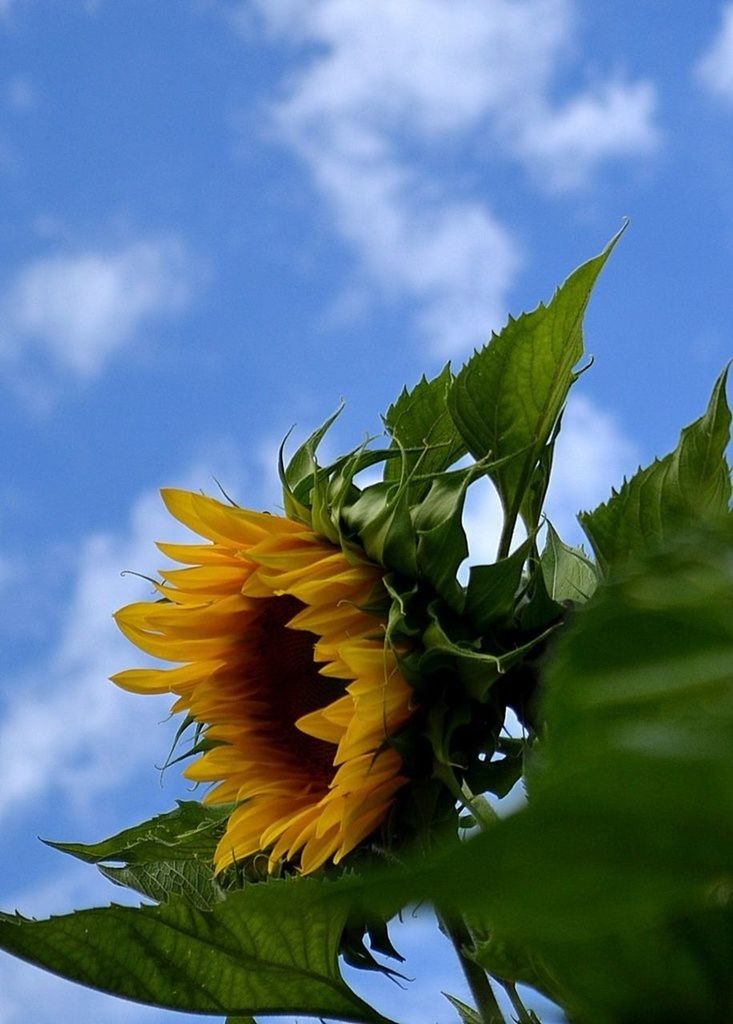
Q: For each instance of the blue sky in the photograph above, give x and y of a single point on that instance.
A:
(220, 217)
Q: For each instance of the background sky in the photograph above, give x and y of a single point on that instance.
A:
(218, 218)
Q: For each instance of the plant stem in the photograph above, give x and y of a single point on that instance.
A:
(483, 995)
(480, 808)
(505, 541)
(519, 1007)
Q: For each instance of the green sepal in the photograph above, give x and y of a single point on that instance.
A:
(321, 519)
(201, 746)
(355, 952)
(442, 544)
(492, 589)
(507, 399)
(689, 485)
(466, 1013)
(379, 940)
(478, 669)
(341, 490)
(443, 720)
(423, 430)
(302, 468)
(380, 520)
(568, 573)
(497, 776)
(404, 617)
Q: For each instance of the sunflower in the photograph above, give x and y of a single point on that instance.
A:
(288, 673)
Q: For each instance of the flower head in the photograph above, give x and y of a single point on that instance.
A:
(288, 673)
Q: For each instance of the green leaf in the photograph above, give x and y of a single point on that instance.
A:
(422, 427)
(161, 880)
(692, 483)
(192, 831)
(171, 855)
(270, 948)
(467, 1014)
(568, 572)
(507, 399)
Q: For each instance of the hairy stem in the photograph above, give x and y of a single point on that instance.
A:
(523, 1016)
(505, 541)
(483, 995)
(478, 806)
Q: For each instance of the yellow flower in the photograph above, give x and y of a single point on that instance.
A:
(286, 671)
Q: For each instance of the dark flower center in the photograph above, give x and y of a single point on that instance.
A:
(294, 684)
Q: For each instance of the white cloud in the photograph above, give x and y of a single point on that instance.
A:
(75, 310)
(592, 455)
(71, 740)
(482, 521)
(715, 68)
(64, 730)
(453, 257)
(386, 88)
(566, 145)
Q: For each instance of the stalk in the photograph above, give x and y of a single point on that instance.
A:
(478, 983)
(523, 1016)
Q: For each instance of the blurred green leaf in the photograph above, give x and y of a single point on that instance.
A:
(617, 877)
